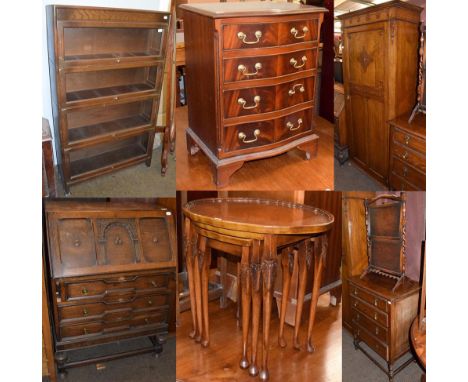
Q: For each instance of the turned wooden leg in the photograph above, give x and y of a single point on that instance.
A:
(222, 265)
(245, 278)
(61, 358)
(302, 268)
(285, 263)
(239, 295)
(269, 265)
(319, 260)
(165, 150)
(205, 277)
(223, 173)
(190, 249)
(310, 148)
(197, 268)
(390, 372)
(192, 147)
(256, 273)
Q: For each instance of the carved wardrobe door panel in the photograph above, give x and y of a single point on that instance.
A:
(118, 241)
(155, 240)
(358, 122)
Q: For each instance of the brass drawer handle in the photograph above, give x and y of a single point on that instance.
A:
(293, 62)
(150, 302)
(242, 102)
(117, 59)
(292, 91)
(291, 127)
(156, 285)
(116, 98)
(84, 291)
(243, 69)
(85, 312)
(375, 316)
(405, 171)
(77, 243)
(377, 331)
(85, 331)
(155, 240)
(118, 241)
(147, 321)
(407, 139)
(243, 136)
(355, 292)
(242, 36)
(376, 302)
(405, 155)
(358, 317)
(295, 32)
(355, 304)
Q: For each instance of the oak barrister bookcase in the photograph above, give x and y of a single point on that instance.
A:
(251, 79)
(111, 274)
(106, 69)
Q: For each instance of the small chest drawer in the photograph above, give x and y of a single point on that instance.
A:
(412, 157)
(295, 92)
(248, 135)
(376, 301)
(376, 330)
(371, 312)
(297, 31)
(409, 140)
(406, 172)
(115, 289)
(400, 184)
(372, 342)
(242, 36)
(249, 101)
(293, 124)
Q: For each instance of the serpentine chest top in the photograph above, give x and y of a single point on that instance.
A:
(251, 70)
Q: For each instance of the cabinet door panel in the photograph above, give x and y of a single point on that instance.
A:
(377, 138)
(358, 126)
(155, 240)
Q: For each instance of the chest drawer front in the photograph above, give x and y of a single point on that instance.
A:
(295, 92)
(397, 183)
(246, 36)
(297, 61)
(408, 140)
(248, 135)
(409, 174)
(298, 31)
(410, 156)
(371, 312)
(378, 331)
(250, 68)
(113, 290)
(249, 101)
(293, 124)
(376, 301)
(100, 310)
(372, 342)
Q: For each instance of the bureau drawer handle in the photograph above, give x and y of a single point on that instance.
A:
(77, 243)
(243, 69)
(116, 98)
(407, 139)
(155, 284)
(291, 127)
(292, 91)
(85, 312)
(355, 292)
(376, 302)
(355, 304)
(147, 321)
(405, 155)
(155, 240)
(405, 171)
(293, 62)
(242, 36)
(118, 241)
(242, 102)
(375, 316)
(243, 136)
(85, 331)
(117, 59)
(377, 331)
(150, 302)
(358, 317)
(84, 291)
(294, 32)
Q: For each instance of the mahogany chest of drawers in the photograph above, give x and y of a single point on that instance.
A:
(251, 79)
(408, 153)
(106, 70)
(382, 318)
(111, 273)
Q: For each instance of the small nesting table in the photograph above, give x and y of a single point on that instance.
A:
(255, 230)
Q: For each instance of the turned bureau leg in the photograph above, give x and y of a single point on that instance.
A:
(390, 372)
(223, 173)
(189, 261)
(310, 148)
(205, 277)
(256, 303)
(302, 267)
(197, 266)
(192, 147)
(245, 278)
(285, 261)
(61, 358)
(319, 260)
(269, 265)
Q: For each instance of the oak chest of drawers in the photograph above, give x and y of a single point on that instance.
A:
(111, 274)
(106, 68)
(382, 318)
(408, 153)
(251, 74)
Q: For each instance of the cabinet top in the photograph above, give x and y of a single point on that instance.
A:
(102, 205)
(255, 8)
(382, 7)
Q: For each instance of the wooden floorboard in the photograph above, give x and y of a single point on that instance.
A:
(289, 171)
(220, 361)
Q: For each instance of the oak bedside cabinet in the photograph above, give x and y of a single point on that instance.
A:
(111, 273)
(106, 68)
(251, 79)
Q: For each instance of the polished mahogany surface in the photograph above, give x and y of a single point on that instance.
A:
(259, 215)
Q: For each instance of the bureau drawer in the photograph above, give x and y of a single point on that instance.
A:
(297, 61)
(248, 135)
(378, 331)
(409, 174)
(371, 312)
(371, 341)
(242, 36)
(376, 301)
(293, 124)
(400, 184)
(114, 290)
(297, 31)
(412, 157)
(295, 92)
(101, 310)
(409, 140)
(249, 101)
(96, 328)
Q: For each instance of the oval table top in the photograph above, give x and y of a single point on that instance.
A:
(418, 340)
(259, 215)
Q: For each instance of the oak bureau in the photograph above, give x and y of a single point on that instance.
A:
(251, 74)
(111, 273)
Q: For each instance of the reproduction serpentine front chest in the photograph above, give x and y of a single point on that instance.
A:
(251, 73)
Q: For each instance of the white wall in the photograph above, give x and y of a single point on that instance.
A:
(152, 5)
